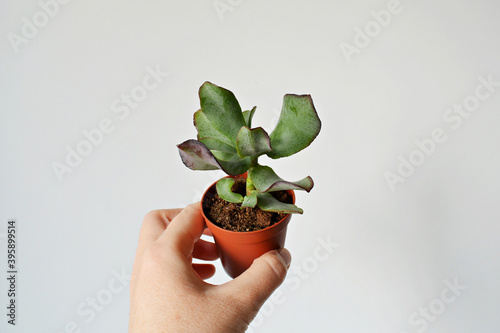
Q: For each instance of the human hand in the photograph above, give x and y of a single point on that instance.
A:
(167, 291)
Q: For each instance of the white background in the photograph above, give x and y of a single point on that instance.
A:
(395, 248)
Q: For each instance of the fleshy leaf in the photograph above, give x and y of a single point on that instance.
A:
(196, 156)
(227, 157)
(297, 126)
(236, 165)
(250, 200)
(215, 144)
(224, 190)
(223, 155)
(222, 109)
(266, 180)
(268, 203)
(252, 142)
(206, 130)
(248, 115)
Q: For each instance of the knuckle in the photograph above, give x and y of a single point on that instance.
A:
(191, 208)
(276, 266)
(151, 216)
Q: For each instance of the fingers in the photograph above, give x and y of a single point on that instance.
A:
(184, 231)
(154, 224)
(205, 271)
(258, 282)
(207, 232)
(205, 250)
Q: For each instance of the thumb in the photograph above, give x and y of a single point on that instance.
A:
(266, 274)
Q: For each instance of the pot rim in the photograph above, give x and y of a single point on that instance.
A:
(255, 232)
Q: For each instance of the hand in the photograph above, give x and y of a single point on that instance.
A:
(167, 291)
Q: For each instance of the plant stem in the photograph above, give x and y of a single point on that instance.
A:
(249, 185)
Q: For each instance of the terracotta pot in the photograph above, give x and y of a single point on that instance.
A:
(238, 250)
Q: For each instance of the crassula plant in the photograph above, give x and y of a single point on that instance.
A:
(227, 141)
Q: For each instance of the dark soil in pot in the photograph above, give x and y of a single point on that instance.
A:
(231, 216)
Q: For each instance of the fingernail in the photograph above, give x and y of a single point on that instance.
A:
(287, 257)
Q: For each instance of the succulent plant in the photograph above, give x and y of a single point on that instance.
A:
(227, 141)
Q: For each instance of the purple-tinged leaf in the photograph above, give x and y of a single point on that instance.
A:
(196, 156)
(266, 180)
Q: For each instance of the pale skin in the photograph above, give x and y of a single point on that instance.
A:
(168, 292)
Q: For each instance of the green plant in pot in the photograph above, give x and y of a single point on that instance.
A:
(248, 211)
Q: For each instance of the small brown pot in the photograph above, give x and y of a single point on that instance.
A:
(238, 250)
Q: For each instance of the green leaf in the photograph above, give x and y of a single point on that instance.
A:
(215, 144)
(297, 126)
(250, 200)
(222, 109)
(223, 155)
(224, 186)
(268, 203)
(264, 179)
(196, 156)
(248, 115)
(236, 165)
(227, 157)
(206, 130)
(252, 142)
